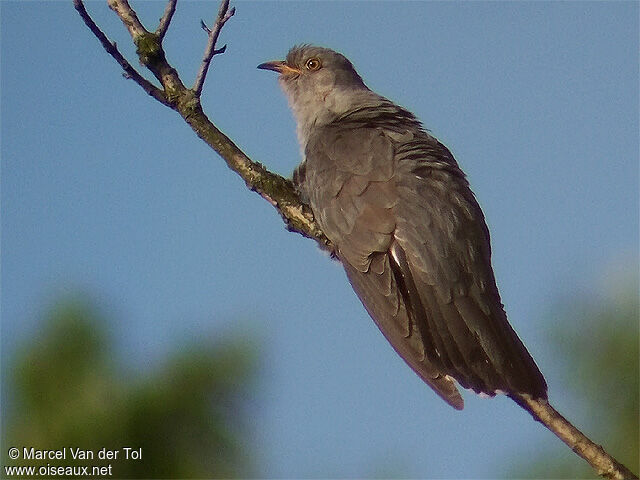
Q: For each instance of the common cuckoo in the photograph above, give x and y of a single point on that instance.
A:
(406, 227)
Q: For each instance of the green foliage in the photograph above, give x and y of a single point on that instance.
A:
(598, 342)
(187, 415)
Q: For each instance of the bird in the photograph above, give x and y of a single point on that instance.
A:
(407, 229)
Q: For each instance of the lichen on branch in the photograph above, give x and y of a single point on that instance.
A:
(277, 190)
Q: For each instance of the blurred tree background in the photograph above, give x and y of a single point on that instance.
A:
(596, 340)
(188, 415)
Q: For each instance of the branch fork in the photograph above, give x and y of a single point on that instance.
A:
(224, 14)
(277, 190)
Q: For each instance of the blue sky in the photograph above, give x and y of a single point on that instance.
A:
(107, 192)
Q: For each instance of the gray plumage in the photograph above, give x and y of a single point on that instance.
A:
(406, 227)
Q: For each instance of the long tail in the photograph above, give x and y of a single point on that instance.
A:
(604, 464)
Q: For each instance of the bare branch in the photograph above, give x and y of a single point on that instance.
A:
(128, 17)
(112, 49)
(603, 463)
(224, 14)
(150, 51)
(277, 190)
(163, 26)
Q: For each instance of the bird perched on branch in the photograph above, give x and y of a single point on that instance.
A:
(407, 229)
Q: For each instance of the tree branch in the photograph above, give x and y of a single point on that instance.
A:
(128, 17)
(604, 464)
(112, 49)
(224, 14)
(279, 191)
(163, 26)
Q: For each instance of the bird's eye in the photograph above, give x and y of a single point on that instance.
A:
(313, 64)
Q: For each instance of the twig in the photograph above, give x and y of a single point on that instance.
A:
(603, 463)
(163, 26)
(277, 190)
(128, 17)
(224, 14)
(112, 49)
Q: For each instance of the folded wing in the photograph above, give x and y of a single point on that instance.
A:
(415, 248)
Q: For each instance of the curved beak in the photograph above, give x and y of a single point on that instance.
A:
(280, 67)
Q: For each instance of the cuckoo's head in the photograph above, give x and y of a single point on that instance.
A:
(320, 85)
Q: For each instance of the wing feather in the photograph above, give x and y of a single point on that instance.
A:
(415, 247)
(442, 229)
(381, 297)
